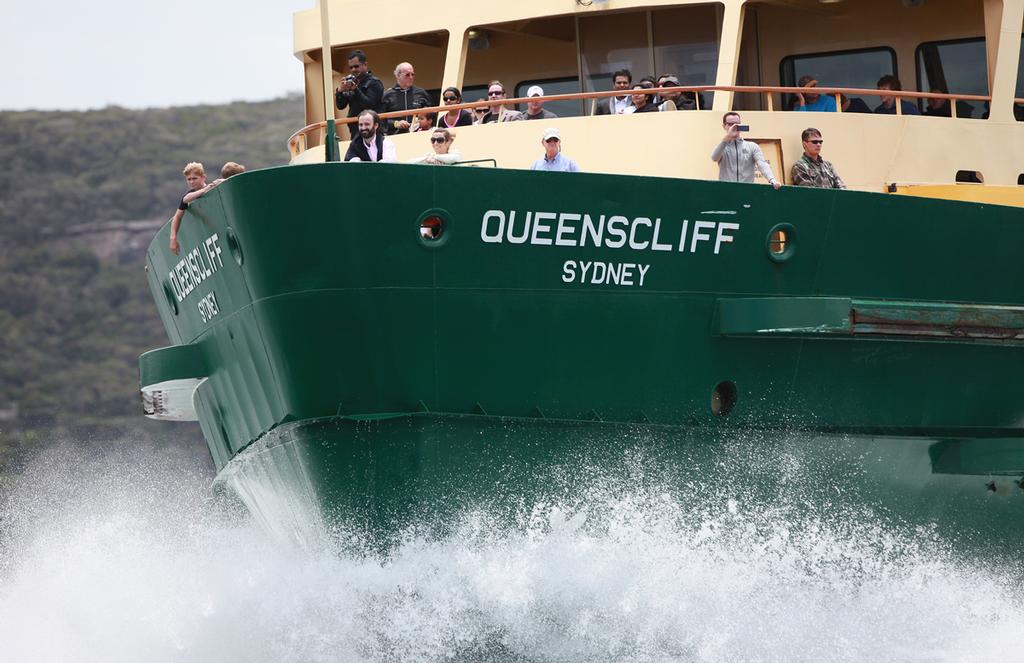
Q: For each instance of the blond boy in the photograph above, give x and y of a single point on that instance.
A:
(195, 177)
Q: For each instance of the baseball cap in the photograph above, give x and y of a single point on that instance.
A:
(535, 91)
(551, 132)
(670, 80)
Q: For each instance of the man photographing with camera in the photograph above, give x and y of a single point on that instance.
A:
(736, 157)
(360, 90)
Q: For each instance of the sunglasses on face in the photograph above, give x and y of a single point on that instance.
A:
(495, 93)
(451, 98)
(816, 142)
(437, 139)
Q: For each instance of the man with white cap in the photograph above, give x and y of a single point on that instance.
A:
(535, 109)
(553, 157)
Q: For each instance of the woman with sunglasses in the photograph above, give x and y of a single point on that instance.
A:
(454, 118)
(441, 142)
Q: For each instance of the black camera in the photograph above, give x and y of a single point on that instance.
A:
(351, 78)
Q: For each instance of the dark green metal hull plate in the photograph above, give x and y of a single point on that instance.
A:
(580, 302)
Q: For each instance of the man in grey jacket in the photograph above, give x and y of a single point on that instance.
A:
(736, 157)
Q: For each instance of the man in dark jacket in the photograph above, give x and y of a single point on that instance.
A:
(403, 96)
(370, 144)
(360, 90)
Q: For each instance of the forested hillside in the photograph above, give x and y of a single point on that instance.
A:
(72, 323)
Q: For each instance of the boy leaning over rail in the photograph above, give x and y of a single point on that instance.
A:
(226, 171)
(195, 177)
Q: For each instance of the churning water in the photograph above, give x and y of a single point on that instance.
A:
(124, 557)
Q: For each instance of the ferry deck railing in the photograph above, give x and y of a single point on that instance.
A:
(299, 141)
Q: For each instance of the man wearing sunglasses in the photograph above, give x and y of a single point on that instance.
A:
(553, 158)
(496, 92)
(811, 169)
(737, 158)
(405, 95)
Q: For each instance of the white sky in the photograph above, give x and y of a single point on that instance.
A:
(75, 54)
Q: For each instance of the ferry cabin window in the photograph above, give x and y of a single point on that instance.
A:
(686, 44)
(610, 42)
(536, 49)
(860, 69)
(957, 66)
(682, 41)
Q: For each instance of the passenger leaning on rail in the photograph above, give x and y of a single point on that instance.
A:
(371, 144)
(195, 177)
(495, 92)
(454, 118)
(642, 102)
(674, 99)
(810, 169)
(424, 122)
(405, 95)
(888, 105)
(553, 158)
(621, 80)
(226, 171)
(737, 158)
(812, 101)
(535, 109)
(441, 145)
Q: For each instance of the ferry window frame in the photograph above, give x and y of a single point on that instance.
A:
(919, 80)
(787, 76)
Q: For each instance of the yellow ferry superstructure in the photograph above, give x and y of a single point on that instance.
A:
(735, 43)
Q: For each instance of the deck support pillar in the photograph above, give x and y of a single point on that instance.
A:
(728, 55)
(1003, 23)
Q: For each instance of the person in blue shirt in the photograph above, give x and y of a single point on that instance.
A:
(812, 101)
(888, 105)
(553, 157)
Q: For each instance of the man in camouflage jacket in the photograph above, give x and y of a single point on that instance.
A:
(811, 169)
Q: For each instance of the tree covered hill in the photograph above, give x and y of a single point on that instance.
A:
(73, 317)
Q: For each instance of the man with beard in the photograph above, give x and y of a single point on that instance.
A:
(370, 144)
(403, 96)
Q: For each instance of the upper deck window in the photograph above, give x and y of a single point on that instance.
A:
(958, 66)
(859, 69)
(682, 41)
(568, 53)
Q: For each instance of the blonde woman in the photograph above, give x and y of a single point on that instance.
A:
(442, 152)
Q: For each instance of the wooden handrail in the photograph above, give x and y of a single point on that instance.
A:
(300, 135)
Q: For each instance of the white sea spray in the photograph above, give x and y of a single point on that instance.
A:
(124, 557)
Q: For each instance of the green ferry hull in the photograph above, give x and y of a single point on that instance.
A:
(333, 354)
(374, 481)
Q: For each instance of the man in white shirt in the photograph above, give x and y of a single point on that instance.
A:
(371, 144)
(621, 80)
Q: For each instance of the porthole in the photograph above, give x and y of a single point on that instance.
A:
(172, 301)
(723, 398)
(433, 227)
(969, 177)
(235, 247)
(781, 242)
